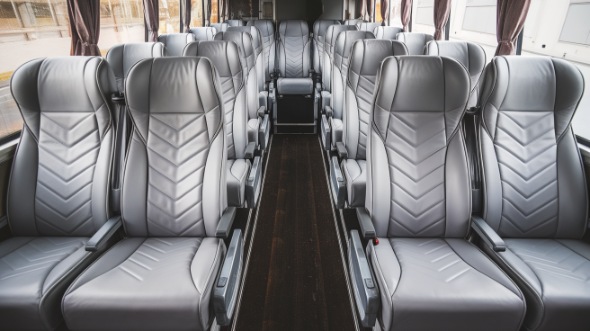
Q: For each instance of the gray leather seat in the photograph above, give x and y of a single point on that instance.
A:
(418, 198)
(220, 27)
(267, 33)
(58, 192)
(354, 22)
(259, 60)
(416, 42)
(368, 26)
(203, 33)
(365, 60)
(342, 50)
(122, 58)
(387, 32)
(234, 23)
(225, 57)
(294, 58)
(161, 276)
(175, 42)
(534, 186)
(320, 27)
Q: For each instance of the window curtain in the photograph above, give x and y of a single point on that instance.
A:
(510, 17)
(442, 9)
(186, 15)
(385, 10)
(361, 9)
(151, 14)
(224, 7)
(406, 13)
(85, 26)
(208, 10)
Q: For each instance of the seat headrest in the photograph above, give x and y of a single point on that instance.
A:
(368, 54)
(344, 43)
(234, 23)
(387, 32)
(368, 26)
(174, 42)
(333, 32)
(415, 41)
(203, 33)
(320, 27)
(224, 55)
(265, 27)
(293, 28)
(245, 45)
(254, 33)
(122, 58)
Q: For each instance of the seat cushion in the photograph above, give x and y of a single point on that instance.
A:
(295, 86)
(147, 284)
(356, 181)
(427, 283)
(34, 274)
(237, 171)
(555, 278)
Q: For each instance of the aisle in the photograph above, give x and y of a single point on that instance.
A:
(295, 278)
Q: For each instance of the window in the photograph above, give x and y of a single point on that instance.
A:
(377, 6)
(423, 16)
(480, 16)
(214, 11)
(169, 16)
(196, 13)
(28, 30)
(475, 21)
(395, 18)
(121, 21)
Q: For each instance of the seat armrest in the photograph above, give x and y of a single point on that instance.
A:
(487, 234)
(364, 285)
(261, 111)
(337, 183)
(225, 292)
(226, 222)
(254, 182)
(326, 133)
(342, 152)
(104, 234)
(367, 228)
(264, 132)
(250, 150)
(329, 111)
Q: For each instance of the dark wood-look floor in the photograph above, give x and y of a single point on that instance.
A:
(295, 278)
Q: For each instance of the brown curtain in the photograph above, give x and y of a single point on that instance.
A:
(186, 15)
(85, 26)
(442, 9)
(208, 13)
(406, 13)
(385, 10)
(510, 18)
(361, 9)
(151, 14)
(224, 8)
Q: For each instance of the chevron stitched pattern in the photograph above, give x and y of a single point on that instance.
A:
(159, 256)
(228, 88)
(416, 148)
(551, 259)
(364, 98)
(177, 149)
(527, 151)
(293, 57)
(37, 257)
(69, 144)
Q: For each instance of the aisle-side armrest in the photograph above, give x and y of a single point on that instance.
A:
(366, 225)
(487, 234)
(264, 132)
(250, 150)
(341, 149)
(364, 284)
(337, 183)
(104, 234)
(226, 222)
(329, 111)
(325, 133)
(254, 182)
(225, 292)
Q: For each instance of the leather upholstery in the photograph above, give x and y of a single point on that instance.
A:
(534, 185)
(330, 40)
(342, 50)
(220, 27)
(354, 22)
(259, 59)
(320, 27)
(267, 33)
(470, 55)
(58, 192)
(231, 23)
(225, 57)
(173, 195)
(368, 26)
(203, 33)
(419, 199)
(175, 42)
(387, 32)
(416, 42)
(365, 60)
(122, 57)
(293, 50)
(295, 86)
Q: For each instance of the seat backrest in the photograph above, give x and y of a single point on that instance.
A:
(417, 173)
(330, 41)
(416, 42)
(174, 179)
(293, 50)
(267, 33)
(368, 26)
(470, 55)
(220, 27)
(59, 183)
(122, 57)
(257, 45)
(342, 50)
(225, 56)
(174, 42)
(234, 23)
(534, 185)
(365, 61)
(203, 33)
(320, 27)
(387, 32)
